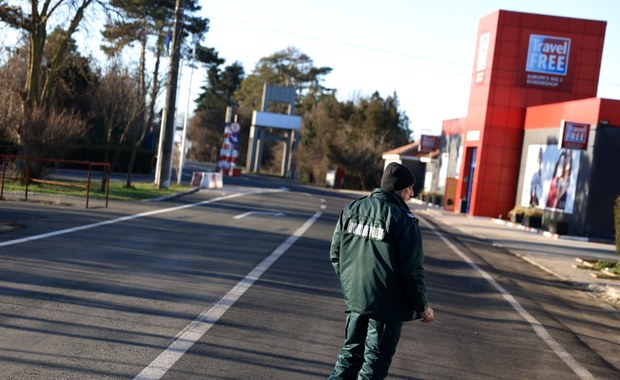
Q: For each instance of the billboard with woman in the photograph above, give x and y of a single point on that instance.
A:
(550, 177)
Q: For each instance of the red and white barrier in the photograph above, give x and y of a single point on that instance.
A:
(207, 180)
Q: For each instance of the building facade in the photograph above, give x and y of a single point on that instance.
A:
(522, 60)
(535, 134)
(570, 164)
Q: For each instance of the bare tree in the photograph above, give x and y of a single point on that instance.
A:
(119, 105)
(12, 76)
(56, 131)
(35, 25)
(51, 131)
(34, 19)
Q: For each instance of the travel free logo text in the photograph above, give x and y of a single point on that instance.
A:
(548, 55)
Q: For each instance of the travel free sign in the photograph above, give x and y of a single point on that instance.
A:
(548, 55)
(574, 135)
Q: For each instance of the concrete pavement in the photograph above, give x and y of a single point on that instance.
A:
(556, 255)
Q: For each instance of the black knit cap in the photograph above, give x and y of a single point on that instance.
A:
(396, 177)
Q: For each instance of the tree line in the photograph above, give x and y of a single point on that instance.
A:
(57, 102)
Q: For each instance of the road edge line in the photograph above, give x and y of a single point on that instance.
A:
(538, 327)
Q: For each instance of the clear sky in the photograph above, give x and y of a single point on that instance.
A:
(421, 49)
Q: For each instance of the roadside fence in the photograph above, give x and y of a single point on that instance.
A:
(18, 168)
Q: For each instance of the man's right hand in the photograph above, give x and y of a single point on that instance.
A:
(427, 315)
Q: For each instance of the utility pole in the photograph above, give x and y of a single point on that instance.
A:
(162, 178)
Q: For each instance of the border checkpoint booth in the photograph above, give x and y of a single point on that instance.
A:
(265, 123)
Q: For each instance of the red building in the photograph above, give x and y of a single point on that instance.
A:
(522, 60)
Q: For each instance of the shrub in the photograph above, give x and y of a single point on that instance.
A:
(96, 153)
(533, 217)
(533, 212)
(516, 214)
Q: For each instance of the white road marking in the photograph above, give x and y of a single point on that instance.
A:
(130, 217)
(195, 330)
(538, 327)
(269, 213)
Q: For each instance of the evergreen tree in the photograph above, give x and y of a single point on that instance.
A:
(139, 21)
(371, 127)
(208, 126)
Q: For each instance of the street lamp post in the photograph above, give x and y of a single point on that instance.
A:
(184, 136)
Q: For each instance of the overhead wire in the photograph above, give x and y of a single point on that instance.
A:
(426, 63)
(365, 51)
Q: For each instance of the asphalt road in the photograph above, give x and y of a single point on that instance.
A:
(237, 284)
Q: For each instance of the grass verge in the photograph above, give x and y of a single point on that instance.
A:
(118, 190)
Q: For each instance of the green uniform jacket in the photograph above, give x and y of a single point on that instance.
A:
(377, 254)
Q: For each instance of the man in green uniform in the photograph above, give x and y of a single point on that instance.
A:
(377, 254)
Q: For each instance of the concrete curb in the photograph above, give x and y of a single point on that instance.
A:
(172, 196)
(610, 293)
(542, 232)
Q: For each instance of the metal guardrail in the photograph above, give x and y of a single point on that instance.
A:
(26, 179)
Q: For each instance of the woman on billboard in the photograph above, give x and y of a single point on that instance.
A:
(560, 182)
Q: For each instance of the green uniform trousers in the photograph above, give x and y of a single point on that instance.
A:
(367, 350)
